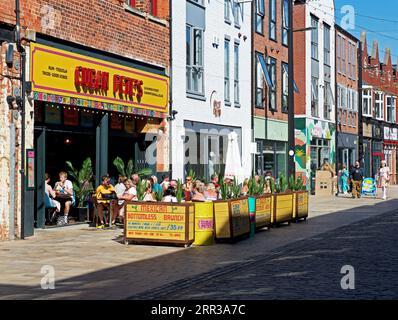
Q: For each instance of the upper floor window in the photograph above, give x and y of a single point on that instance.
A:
(285, 87)
(260, 12)
(259, 84)
(314, 97)
(285, 22)
(326, 44)
(314, 38)
(272, 89)
(391, 109)
(194, 62)
(338, 53)
(227, 10)
(343, 56)
(272, 19)
(226, 71)
(131, 3)
(236, 73)
(379, 105)
(236, 11)
(367, 103)
(353, 58)
(327, 107)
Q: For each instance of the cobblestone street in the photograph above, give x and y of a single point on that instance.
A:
(298, 261)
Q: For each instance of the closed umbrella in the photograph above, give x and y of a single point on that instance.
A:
(233, 166)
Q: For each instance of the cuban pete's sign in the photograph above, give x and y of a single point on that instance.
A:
(59, 72)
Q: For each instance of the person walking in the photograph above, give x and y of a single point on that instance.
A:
(384, 178)
(356, 178)
(344, 175)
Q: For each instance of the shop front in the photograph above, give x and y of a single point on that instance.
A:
(90, 105)
(367, 149)
(347, 149)
(390, 151)
(315, 144)
(377, 147)
(271, 137)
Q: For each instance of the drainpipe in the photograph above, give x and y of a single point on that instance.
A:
(22, 51)
(291, 125)
(12, 182)
(170, 86)
(360, 123)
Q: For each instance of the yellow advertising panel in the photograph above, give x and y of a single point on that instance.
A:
(240, 217)
(63, 73)
(263, 211)
(302, 204)
(156, 221)
(221, 215)
(284, 207)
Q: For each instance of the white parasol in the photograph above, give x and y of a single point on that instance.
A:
(233, 166)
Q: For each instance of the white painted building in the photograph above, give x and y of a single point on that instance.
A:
(211, 84)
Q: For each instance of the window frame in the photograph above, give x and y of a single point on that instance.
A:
(227, 70)
(272, 20)
(326, 50)
(192, 59)
(314, 102)
(380, 103)
(259, 17)
(285, 28)
(369, 99)
(285, 85)
(236, 73)
(258, 104)
(272, 92)
(315, 45)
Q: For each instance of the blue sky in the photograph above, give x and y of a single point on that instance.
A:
(381, 9)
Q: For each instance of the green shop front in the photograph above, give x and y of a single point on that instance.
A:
(271, 137)
(93, 105)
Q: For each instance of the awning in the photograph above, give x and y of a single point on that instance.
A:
(286, 69)
(265, 71)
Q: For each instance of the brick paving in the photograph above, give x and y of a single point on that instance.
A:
(92, 264)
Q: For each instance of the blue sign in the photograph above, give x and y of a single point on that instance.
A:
(369, 187)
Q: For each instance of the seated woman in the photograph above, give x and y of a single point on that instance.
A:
(51, 194)
(267, 186)
(198, 190)
(169, 195)
(104, 194)
(129, 195)
(148, 191)
(64, 192)
(210, 193)
(245, 187)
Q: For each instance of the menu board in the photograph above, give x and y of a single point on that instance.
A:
(240, 217)
(156, 221)
(263, 211)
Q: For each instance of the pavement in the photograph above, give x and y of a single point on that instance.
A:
(95, 264)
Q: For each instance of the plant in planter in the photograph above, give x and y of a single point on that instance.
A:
(225, 190)
(130, 168)
(82, 184)
(141, 189)
(282, 183)
(272, 185)
(236, 189)
(260, 187)
(179, 191)
(253, 187)
(159, 194)
(300, 184)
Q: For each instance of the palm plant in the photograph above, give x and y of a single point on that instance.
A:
(283, 184)
(82, 180)
(253, 187)
(159, 194)
(192, 174)
(179, 191)
(272, 185)
(224, 189)
(130, 168)
(292, 183)
(236, 189)
(260, 186)
(300, 183)
(141, 189)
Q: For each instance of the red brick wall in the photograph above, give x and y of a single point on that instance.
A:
(347, 82)
(299, 59)
(100, 24)
(277, 51)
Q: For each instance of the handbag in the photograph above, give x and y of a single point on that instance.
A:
(64, 196)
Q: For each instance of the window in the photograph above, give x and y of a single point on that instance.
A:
(391, 107)
(259, 85)
(343, 56)
(194, 47)
(226, 70)
(327, 106)
(285, 87)
(130, 3)
(314, 38)
(285, 22)
(349, 70)
(272, 19)
(326, 41)
(379, 105)
(260, 12)
(153, 8)
(354, 62)
(236, 73)
(236, 8)
(272, 90)
(227, 10)
(338, 53)
(314, 97)
(367, 103)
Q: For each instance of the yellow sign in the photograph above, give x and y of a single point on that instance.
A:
(302, 204)
(153, 221)
(263, 211)
(240, 217)
(63, 73)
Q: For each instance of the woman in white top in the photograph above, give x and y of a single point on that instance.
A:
(129, 195)
(384, 176)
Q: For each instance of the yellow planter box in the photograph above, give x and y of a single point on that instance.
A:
(204, 224)
(231, 218)
(159, 222)
(264, 211)
(283, 207)
(300, 205)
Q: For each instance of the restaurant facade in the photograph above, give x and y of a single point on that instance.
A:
(90, 95)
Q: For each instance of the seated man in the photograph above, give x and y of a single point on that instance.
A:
(104, 194)
(64, 191)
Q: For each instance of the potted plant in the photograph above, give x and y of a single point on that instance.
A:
(127, 170)
(82, 185)
(262, 203)
(300, 200)
(283, 201)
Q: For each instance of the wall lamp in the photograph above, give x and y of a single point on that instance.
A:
(173, 115)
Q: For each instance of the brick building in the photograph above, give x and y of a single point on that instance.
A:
(270, 84)
(314, 73)
(347, 86)
(379, 105)
(97, 81)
